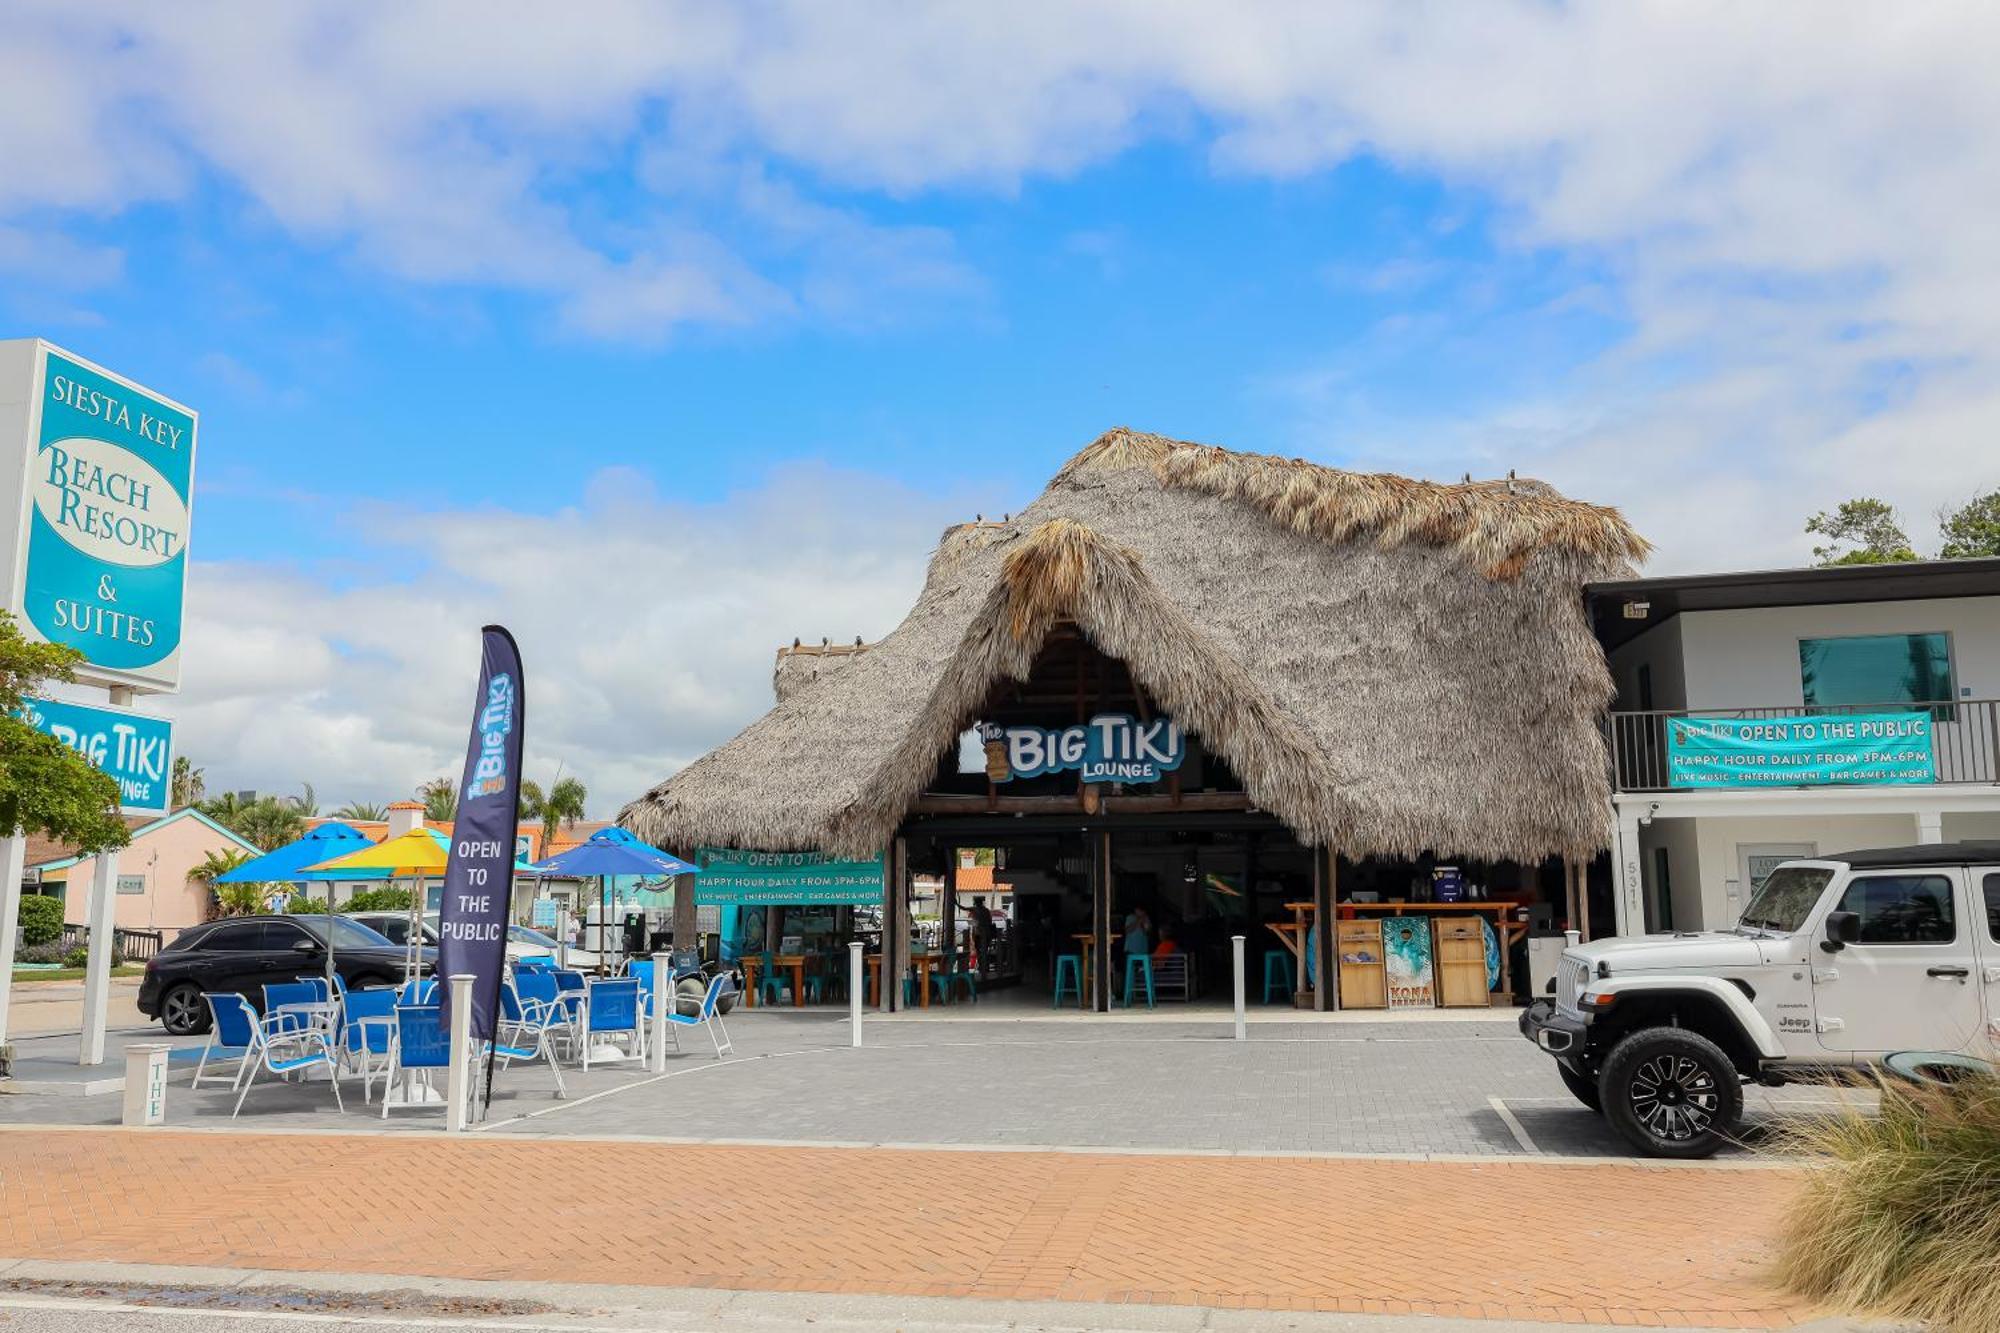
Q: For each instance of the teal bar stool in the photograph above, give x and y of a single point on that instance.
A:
(1142, 964)
(1280, 974)
(1069, 979)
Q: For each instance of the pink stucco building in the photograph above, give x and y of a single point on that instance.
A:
(154, 888)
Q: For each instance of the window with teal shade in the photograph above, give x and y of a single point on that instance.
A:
(1867, 669)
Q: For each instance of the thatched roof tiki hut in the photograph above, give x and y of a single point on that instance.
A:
(1368, 671)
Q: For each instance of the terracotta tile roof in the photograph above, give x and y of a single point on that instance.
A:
(406, 805)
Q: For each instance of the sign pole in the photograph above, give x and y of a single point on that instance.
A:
(97, 971)
(13, 864)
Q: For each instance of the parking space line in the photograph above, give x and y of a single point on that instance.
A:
(1514, 1126)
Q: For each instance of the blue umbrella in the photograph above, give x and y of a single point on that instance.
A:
(607, 853)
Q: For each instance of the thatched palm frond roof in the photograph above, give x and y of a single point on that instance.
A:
(1391, 666)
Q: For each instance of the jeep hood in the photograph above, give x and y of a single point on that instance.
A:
(1643, 953)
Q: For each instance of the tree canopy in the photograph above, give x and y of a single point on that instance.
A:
(46, 787)
(1862, 531)
(1973, 529)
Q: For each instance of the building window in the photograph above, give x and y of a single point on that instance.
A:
(1992, 887)
(1868, 669)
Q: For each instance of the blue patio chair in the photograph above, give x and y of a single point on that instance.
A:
(289, 992)
(526, 1030)
(281, 1052)
(770, 986)
(420, 1051)
(539, 990)
(535, 962)
(709, 1016)
(420, 991)
(366, 1038)
(642, 970)
(611, 1008)
(231, 1034)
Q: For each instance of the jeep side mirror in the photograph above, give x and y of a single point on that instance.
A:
(1842, 929)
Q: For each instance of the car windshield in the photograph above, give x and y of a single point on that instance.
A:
(523, 935)
(1786, 898)
(346, 934)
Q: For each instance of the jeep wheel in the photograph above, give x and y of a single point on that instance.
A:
(1581, 1086)
(1671, 1093)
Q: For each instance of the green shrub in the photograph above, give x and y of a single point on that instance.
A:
(41, 919)
(1903, 1217)
(49, 951)
(305, 902)
(379, 900)
(78, 957)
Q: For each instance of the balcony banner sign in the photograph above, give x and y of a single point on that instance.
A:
(1822, 750)
(479, 874)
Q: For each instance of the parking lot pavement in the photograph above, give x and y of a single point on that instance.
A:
(1394, 1088)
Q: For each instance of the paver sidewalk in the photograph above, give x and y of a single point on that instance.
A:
(1516, 1239)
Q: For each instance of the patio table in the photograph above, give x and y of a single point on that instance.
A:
(795, 962)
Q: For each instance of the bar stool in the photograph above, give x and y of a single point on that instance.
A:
(1138, 962)
(1279, 971)
(1071, 966)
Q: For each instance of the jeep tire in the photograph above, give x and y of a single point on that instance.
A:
(1581, 1086)
(1670, 1092)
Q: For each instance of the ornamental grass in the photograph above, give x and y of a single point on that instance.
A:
(1902, 1219)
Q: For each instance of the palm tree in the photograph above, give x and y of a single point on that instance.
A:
(270, 822)
(224, 808)
(365, 811)
(440, 798)
(229, 899)
(186, 785)
(306, 802)
(561, 804)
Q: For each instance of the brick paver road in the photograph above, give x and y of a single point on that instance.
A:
(1601, 1242)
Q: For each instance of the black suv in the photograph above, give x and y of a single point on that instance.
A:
(246, 953)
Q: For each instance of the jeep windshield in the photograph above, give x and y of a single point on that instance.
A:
(1786, 899)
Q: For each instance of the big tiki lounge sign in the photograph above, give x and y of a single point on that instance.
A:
(93, 545)
(1111, 747)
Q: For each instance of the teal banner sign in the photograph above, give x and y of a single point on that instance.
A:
(1830, 750)
(136, 750)
(731, 878)
(110, 469)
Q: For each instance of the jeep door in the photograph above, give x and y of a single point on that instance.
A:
(1908, 982)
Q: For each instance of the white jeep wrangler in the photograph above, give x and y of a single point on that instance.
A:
(1837, 962)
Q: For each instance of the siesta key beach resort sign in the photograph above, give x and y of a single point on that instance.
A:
(95, 481)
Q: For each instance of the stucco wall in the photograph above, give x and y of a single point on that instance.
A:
(1750, 658)
(164, 857)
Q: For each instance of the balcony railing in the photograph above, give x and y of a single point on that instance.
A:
(1965, 738)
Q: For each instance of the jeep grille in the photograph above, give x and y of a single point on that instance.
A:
(1572, 975)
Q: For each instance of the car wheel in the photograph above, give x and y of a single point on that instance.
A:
(1581, 1086)
(183, 1012)
(1671, 1093)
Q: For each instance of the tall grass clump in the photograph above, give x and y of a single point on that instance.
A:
(1902, 1216)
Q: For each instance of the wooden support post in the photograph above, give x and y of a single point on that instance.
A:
(948, 910)
(896, 927)
(1583, 898)
(686, 933)
(1326, 869)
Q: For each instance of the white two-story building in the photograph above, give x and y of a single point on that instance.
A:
(1920, 641)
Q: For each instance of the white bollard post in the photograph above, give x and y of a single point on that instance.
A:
(854, 991)
(665, 1001)
(146, 1083)
(458, 1075)
(97, 968)
(1236, 956)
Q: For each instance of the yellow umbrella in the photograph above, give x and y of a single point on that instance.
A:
(422, 852)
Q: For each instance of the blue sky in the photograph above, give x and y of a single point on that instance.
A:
(698, 322)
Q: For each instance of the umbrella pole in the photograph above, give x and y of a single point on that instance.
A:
(603, 920)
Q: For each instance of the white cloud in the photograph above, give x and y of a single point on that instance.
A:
(647, 629)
